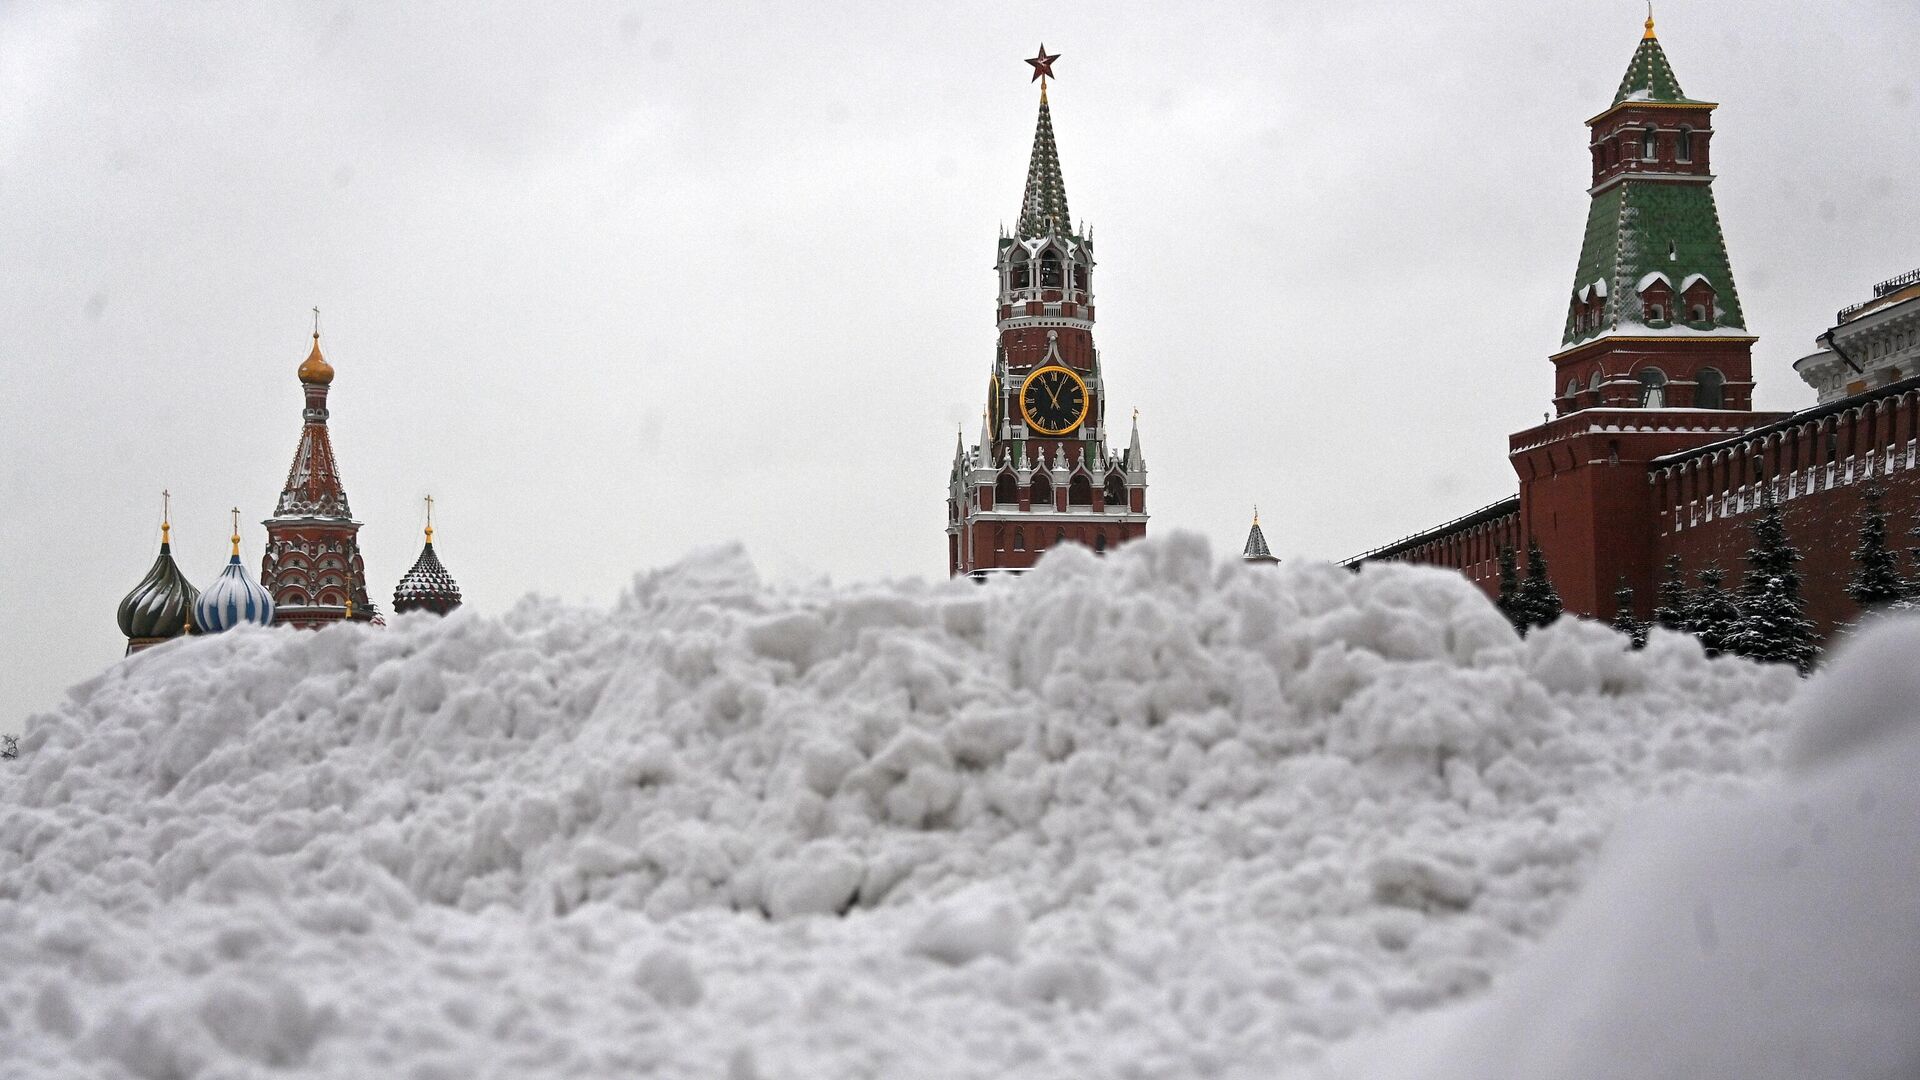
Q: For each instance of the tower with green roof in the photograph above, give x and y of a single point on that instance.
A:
(1048, 467)
(1653, 317)
(1654, 356)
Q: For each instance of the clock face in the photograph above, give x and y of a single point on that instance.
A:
(1053, 400)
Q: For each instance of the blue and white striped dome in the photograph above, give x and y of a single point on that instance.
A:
(231, 599)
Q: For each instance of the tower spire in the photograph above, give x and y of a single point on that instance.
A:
(429, 521)
(236, 532)
(1043, 206)
(312, 524)
(1649, 76)
(1256, 549)
(166, 519)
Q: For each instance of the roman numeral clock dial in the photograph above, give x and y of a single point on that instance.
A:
(1053, 400)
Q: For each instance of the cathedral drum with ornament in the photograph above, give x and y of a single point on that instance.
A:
(1043, 472)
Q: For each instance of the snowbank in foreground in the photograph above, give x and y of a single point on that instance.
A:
(1143, 816)
(1776, 938)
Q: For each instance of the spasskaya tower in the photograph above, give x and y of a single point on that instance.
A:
(1043, 472)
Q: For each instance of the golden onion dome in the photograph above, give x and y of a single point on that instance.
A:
(315, 368)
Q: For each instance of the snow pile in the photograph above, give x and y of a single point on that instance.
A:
(1772, 939)
(1141, 816)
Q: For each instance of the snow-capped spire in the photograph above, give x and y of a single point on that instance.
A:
(1256, 549)
(1043, 208)
(1649, 77)
(1136, 460)
(986, 437)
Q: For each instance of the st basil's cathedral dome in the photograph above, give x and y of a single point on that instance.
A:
(233, 597)
(161, 606)
(428, 586)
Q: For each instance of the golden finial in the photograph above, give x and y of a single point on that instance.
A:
(1649, 35)
(236, 532)
(1043, 91)
(349, 607)
(166, 516)
(429, 519)
(316, 369)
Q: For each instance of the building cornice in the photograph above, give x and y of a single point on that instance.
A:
(1695, 106)
(1657, 339)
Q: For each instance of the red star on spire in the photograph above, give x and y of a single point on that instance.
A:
(1043, 65)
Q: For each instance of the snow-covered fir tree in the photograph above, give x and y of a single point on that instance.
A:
(1670, 609)
(1509, 599)
(1536, 602)
(1876, 579)
(1712, 615)
(1623, 617)
(1773, 626)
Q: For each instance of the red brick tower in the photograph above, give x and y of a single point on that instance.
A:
(312, 567)
(1656, 357)
(1044, 472)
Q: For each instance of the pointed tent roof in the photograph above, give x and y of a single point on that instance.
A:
(1043, 208)
(1637, 227)
(1256, 549)
(1649, 77)
(313, 487)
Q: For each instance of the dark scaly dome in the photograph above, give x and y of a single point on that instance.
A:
(161, 606)
(428, 586)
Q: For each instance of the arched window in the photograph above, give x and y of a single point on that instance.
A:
(1653, 388)
(1100, 540)
(1019, 539)
(1683, 148)
(1573, 387)
(1710, 390)
(1018, 277)
(1594, 383)
(1080, 491)
(1647, 144)
(1059, 536)
(1042, 490)
(1081, 276)
(1116, 491)
(1050, 269)
(1007, 491)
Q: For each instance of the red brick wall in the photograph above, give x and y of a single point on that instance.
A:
(1818, 470)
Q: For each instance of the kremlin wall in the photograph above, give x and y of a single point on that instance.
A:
(1652, 450)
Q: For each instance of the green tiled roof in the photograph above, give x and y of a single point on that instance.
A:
(1043, 208)
(1649, 76)
(1637, 227)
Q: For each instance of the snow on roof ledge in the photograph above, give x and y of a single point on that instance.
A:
(1692, 279)
(1650, 278)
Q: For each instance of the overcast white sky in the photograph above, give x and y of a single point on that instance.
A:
(617, 281)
